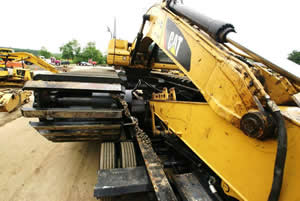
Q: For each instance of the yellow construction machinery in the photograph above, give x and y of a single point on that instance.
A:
(12, 79)
(224, 127)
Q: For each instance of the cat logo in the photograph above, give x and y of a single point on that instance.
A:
(174, 43)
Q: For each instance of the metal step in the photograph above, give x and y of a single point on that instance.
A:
(190, 189)
(121, 181)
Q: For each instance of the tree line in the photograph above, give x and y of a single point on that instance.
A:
(75, 53)
(295, 56)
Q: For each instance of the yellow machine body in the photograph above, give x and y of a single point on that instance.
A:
(24, 56)
(16, 77)
(10, 99)
(6, 50)
(119, 54)
(244, 164)
(231, 89)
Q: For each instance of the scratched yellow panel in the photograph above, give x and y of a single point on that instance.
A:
(245, 164)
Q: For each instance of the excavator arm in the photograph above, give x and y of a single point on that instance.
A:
(10, 99)
(24, 56)
(243, 89)
(211, 66)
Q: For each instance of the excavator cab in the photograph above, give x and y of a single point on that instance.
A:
(21, 74)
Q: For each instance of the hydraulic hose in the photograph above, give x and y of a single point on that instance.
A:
(280, 155)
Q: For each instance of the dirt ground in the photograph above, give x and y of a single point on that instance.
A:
(34, 169)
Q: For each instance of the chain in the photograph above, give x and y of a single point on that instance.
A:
(139, 132)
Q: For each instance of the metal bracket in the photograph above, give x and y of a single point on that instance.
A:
(165, 95)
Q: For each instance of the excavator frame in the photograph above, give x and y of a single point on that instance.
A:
(206, 122)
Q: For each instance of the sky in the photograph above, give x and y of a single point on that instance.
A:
(270, 26)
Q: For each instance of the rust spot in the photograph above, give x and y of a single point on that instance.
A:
(226, 133)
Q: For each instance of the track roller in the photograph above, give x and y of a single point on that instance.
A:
(107, 160)
(128, 155)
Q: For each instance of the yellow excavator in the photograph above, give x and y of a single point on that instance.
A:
(190, 114)
(12, 79)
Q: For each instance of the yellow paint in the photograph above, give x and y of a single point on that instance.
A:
(165, 95)
(11, 99)
(24, 56)
(211, 129)
(6, 50)
(245, 164)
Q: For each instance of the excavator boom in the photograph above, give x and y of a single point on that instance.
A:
(236, 89)
(24, 56)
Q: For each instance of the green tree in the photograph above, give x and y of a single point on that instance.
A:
(70, 50)
(57, 56)
(44, 52)
(91, 52)
(295, 57)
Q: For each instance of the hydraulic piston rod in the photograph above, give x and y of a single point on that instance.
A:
(220, 32)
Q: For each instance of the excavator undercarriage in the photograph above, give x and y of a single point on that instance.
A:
(180, 113)
(77, 106)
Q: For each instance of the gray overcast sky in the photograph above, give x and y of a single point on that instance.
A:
(269, 25)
